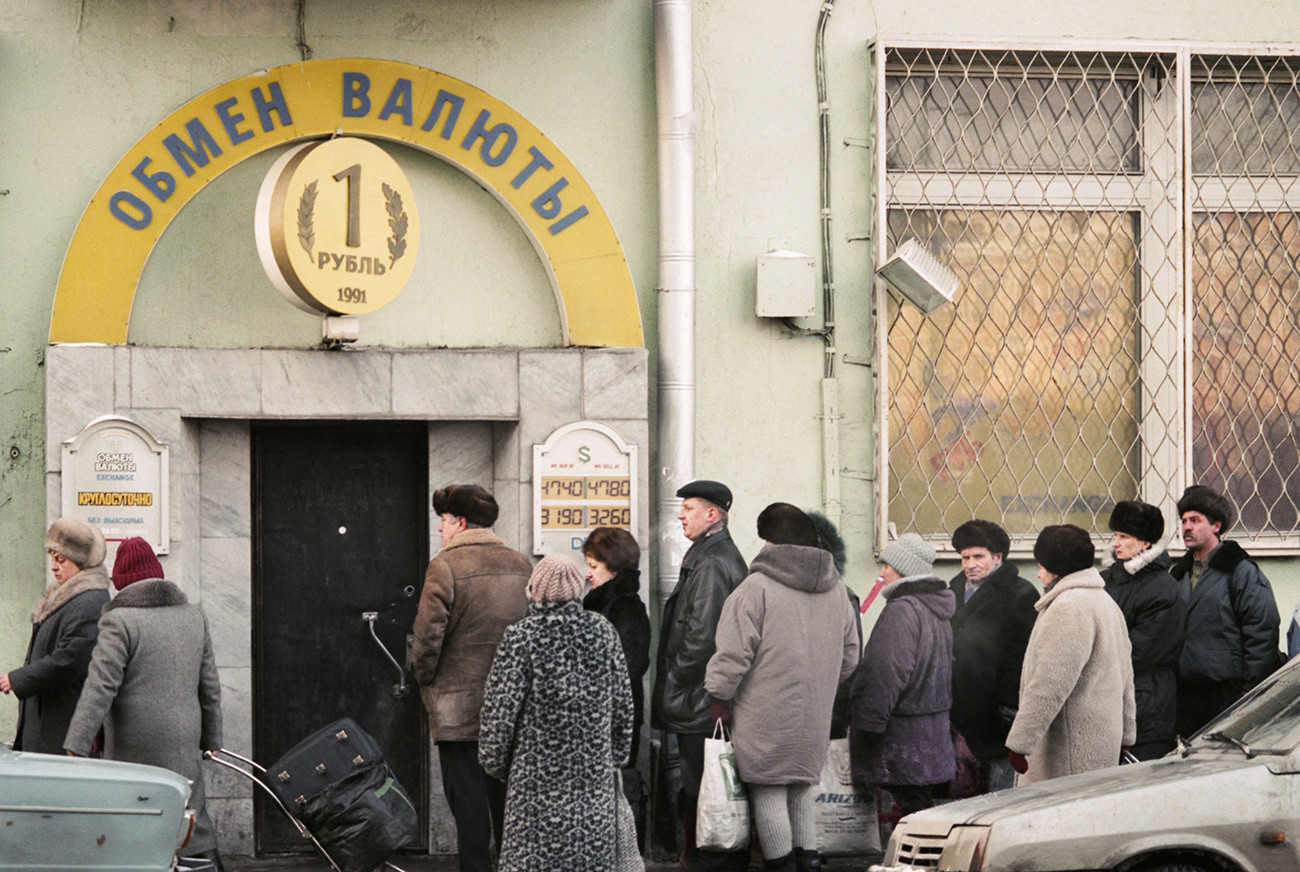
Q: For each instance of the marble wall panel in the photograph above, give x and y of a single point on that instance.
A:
(469, 385)
(320, 384)
(79, 387)
(200, 382)
(227, 588)
(225, 478)
(615, 383)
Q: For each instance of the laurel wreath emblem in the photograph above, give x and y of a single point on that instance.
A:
(306, 208)
(397, 221)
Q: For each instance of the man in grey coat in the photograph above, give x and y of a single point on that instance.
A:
(1232, 620)
(153, 683)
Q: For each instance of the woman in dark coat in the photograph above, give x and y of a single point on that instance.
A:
(65, 624)
(153, 682)
(899, 735)
(612, 557)
(1137, 578)
(556, 721)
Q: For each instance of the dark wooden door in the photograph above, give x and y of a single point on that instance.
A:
(340, 516)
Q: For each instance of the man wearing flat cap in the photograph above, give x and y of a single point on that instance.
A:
(990, 629)
(710, 571)
(1232, 621)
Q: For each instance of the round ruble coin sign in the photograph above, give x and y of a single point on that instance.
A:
(336, 226)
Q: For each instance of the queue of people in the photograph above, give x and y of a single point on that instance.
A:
(532, 676)
(130, 678)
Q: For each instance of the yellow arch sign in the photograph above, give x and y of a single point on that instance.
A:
(443, 116)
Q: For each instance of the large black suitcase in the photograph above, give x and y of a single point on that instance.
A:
(337, 783)
(324, 758)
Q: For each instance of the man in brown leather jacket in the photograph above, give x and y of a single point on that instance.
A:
(473, 590)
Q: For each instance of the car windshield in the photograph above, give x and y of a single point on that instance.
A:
(1266, 721)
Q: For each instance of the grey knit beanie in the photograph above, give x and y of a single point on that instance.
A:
(910, 555)
(555, 579)
(77, 540)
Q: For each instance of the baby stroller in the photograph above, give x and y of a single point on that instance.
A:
(336, 789)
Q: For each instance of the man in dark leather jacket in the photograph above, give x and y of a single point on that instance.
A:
(710, 571)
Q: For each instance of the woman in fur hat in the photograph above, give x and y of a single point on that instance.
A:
(65, 624)
(556, 723)
(1137, 577)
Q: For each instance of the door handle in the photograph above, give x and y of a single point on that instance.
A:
(400, 688)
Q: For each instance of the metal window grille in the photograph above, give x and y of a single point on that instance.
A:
(1126, 228)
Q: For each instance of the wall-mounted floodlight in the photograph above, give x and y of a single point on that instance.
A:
(919, 276)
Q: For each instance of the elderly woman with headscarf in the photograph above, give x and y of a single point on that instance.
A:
(64, 627)
(153, 682)
(1137, 577)
(1076, 689)
(556, 722)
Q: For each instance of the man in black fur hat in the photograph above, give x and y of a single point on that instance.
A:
(1222, 657)
(1136, 572)
(995, 612)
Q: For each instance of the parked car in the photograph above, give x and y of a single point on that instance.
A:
(1226, 801)
(73, 813)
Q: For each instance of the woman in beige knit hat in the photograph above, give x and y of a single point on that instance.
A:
(65, 625)
(556, 723)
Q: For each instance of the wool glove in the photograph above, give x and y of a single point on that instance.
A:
(1018, 762)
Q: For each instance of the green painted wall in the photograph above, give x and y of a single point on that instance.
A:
(83, 81)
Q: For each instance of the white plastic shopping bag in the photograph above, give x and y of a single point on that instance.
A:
(722, 819)
(847, 824)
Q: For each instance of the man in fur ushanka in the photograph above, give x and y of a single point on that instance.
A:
(990, 629)
(1232, 620)
(1136, 572)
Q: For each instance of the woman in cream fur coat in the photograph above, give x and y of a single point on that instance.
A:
(1076, 689)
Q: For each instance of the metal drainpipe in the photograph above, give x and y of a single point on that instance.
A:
(674, 98)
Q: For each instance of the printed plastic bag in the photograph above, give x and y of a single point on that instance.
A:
(627, 856)
(845, 813)
(722, 819)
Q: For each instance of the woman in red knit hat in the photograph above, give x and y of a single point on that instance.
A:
(153, 682)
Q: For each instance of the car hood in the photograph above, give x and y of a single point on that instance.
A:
(1098, 819)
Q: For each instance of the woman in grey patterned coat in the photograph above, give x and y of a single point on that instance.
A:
(556, 722)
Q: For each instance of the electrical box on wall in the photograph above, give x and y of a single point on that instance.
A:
(787, 285)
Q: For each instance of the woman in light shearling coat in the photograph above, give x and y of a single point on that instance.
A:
(1076, 689)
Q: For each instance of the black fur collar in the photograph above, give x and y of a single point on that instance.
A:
(1225, 559)
(152, 593)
